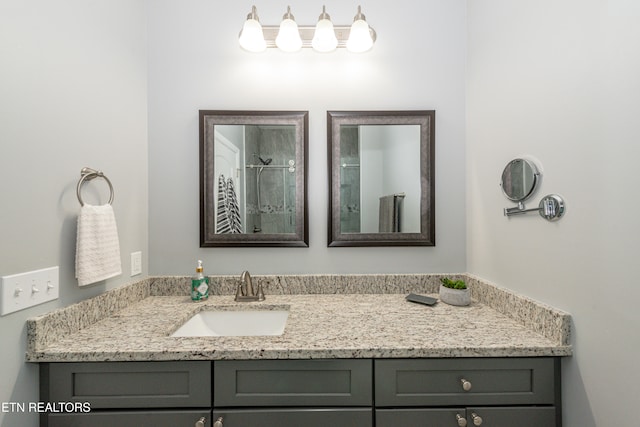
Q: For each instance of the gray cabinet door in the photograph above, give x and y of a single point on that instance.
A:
(127, 419)
(514, 417)
(440, 382)
(423, 417)
(517, 416)
(334, 417)
(184, 384)
(287, 383)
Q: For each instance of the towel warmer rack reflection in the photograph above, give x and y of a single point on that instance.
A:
(87, 174)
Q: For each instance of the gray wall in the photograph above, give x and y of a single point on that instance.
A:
(559, 81)
(72, 94)
(553, 80)
(195, 63)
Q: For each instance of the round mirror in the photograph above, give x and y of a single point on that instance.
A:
(519, 180)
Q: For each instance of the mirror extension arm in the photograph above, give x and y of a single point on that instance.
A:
(551, 208)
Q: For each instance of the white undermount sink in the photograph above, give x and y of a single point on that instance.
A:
(240, 323)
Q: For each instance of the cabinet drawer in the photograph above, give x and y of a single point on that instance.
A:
(515, 416)
(128, 419)
(292, 383)
(419, 417)
(335, 417)
(497, 417)
(128, 384)
(495, 381)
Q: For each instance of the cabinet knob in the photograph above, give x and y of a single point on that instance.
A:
(218, 422)
(477, 420)
(466, 385)
(462, 422)
(201, 422)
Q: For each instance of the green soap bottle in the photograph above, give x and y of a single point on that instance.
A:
(199, 285)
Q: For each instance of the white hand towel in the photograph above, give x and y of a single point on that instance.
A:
(97, 245)
(233, 211)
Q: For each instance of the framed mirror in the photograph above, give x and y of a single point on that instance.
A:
(381, 168)
(253, 178)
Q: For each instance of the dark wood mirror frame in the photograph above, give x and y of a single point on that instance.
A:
(426, 120)
(208, 120)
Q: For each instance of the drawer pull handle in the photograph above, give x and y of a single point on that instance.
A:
(218, 422)
(462, 422)
(201, 422)
(466, 385)
(477, 420)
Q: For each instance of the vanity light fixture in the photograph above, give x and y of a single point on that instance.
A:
(360, 39)
(288, 39)
(251, 36)
(323, 37)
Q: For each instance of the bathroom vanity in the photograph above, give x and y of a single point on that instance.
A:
(344, 359)
(502, 392)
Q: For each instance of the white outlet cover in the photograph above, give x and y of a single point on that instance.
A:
(136, 263)
(24, 290)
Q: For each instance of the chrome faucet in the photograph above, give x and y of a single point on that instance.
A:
(245, 291)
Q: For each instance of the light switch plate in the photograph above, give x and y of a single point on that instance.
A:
(24, 290)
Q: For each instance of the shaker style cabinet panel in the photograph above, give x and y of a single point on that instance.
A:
(492, 392)
(500, 392)
(184, 384)
(514, 416)
(498, 417)
(292, 383)
(128, 394)
(321, 417)
(466, 381)
(129, 419)
(420, 417)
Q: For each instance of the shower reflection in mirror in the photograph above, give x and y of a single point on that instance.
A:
(259, 161)
(380, 178)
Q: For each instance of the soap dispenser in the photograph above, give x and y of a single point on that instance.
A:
(199, 285)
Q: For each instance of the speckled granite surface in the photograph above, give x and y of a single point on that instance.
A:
(331, 316)
(312, 284)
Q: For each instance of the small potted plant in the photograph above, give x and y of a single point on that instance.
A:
(454, 292)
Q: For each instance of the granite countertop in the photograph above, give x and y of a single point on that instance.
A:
(367, 325)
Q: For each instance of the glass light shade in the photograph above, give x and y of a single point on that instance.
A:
(252, 37)
(324, 37)
(359, 37)
(288, 39)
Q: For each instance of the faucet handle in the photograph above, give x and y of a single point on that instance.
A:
(260, 292)
(239, 292)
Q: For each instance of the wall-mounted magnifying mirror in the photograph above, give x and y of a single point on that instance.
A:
(519, 180)
(253, 178)
(382, 187)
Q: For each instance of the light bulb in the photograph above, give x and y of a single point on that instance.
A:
(288, 39)
(324, 37)
(251, 36)
(360, 39)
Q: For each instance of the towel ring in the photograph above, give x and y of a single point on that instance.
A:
(87, 174)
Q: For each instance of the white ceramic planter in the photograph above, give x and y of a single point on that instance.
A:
(455, 296)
